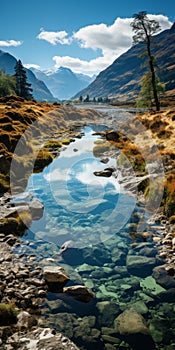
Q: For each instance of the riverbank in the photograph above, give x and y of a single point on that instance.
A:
(49, 129)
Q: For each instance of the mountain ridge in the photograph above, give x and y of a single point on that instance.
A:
(120, 82)
(40, 90)
(63, 82)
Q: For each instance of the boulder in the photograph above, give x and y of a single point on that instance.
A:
(55, 274)
(71, 254)
(162, 278)
(130, 326)
(25, 320)
(81, 293)
(141, 266)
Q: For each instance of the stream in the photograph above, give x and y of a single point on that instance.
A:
(108, 254)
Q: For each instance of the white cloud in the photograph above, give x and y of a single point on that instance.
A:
(101, 36)
(112, 40)
(54, 38)
(32, 65)
(8, 43)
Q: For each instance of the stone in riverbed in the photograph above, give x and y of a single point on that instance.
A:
(140, 265)
(81, 293)
(42, 338)
(130, 326)
(36, 209)
(150, 287)
(55, 274)
(105, 173)
(25, 320)
(162, 278)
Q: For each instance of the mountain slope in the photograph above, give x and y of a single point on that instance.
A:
(121, 79)
(40, 90)
(63, 83)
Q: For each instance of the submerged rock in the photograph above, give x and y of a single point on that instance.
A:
(140, 265)
(150, 286)
(162, 278)
(130, 326)
(81, 293)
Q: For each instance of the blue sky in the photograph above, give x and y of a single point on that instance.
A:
(84, 36)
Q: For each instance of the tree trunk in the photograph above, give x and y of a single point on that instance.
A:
(153, 76)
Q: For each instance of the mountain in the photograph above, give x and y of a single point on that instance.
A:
(121, 79)
(40, 90)
(63, 83)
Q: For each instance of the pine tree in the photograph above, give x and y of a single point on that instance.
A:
(23, 88)
(144, 29)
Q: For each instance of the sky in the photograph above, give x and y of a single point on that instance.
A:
(85, 36)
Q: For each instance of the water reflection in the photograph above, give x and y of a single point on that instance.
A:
(78, 205)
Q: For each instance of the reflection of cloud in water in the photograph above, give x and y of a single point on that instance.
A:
(81, 146)
(57, 175)
(87, 177)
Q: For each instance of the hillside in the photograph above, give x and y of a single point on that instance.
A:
(63, 83)
(121, 79)
(40, 90)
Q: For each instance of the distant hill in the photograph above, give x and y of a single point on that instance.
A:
(40, 90)
(63, 83)
(121, 79)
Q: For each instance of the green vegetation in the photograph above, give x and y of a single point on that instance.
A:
(146, 93)
(144, 30)
(52, 144)
(23, 88)
(7, 84)
(8, 314)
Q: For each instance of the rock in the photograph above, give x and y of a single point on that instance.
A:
(97, 255)
(105, 173)
(130, 326)
(150, 287)
(36, 209)
(42, 338)
(55, 274)
(86, 332)
(140, 307)
(168, 295)
(162, 278)
(9, 225)
(107, 312)
(81, 293)
(140, 265)
(113, 136)
(71, 254)
(25, 320)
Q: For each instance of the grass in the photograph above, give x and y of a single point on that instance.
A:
(8, 314)
(43, 159)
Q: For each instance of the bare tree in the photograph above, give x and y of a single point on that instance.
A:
(144, 29)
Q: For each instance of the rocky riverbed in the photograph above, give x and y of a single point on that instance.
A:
(134, 283)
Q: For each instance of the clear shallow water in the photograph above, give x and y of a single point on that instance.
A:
(101, 220)
(78, 205)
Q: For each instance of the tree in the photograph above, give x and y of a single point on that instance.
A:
(7, 84)
(23, 88)
(144, 29)
(87, 99)
(146, 93)
(81, 98)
